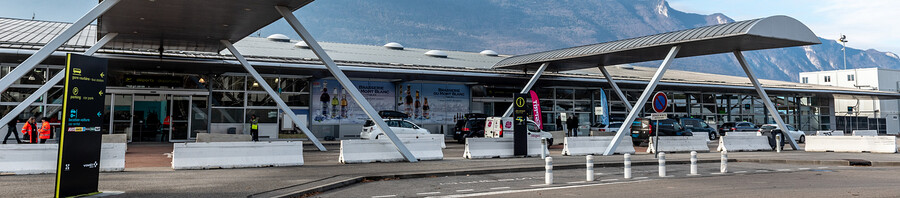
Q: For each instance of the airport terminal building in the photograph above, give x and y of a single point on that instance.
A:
(158, 94)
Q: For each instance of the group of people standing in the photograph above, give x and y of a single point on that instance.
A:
(571, 125)
(33, 134)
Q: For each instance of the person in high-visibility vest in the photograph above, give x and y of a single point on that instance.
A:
(45, 130)
(28, 130)
(254, 128)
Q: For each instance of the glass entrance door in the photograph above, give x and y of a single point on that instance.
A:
(177, 123)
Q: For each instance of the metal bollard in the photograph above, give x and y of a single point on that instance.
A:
(548, 176)
(544, 143)
(662, 164)
(778, 143)
(693, 162)
(627, 166)
(590, 168)
(724, 167)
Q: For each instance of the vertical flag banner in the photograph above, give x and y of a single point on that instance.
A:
(605, 117)
(536, 109)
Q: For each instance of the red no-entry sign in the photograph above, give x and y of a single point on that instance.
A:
(660, 102)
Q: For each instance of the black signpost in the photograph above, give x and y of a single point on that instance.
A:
(78, 165)
(521, 107)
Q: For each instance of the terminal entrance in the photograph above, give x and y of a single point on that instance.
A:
(157, 117)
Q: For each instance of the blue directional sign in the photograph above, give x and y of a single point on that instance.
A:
(660, 102)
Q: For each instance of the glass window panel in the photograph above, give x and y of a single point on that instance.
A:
(295, 100)
(228, 99)
(293, 85)
(264, 115)
(564, 106)
(228, 82)
(220, 115)
(252, 85)
(260, 99)
(583, 106)
(16, 94)
(583, 94)
(564, 93)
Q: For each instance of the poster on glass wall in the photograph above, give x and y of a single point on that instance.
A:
(333, 105)
(433, 103)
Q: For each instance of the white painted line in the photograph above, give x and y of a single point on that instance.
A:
(823, 167)
(784, 169)
(693, 175)
(465, 190)
(803, 168)
(606, 180)
(575, 182)
(640, 178)
(383, 196)
(539, 189)
(599, 174)
(498, 188)
(535, 185)
(740, 171)
(716, 173)
(503, 180)
(428, 193)
(761, 171)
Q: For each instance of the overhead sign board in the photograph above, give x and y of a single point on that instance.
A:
(78, 162)
(660, 102)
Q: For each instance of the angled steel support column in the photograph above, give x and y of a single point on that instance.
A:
(262, 83)
(616, 88)
(51, 46)
(344, 81)
(625, 129)
(52, 82)
(765, 98)
(534, 78)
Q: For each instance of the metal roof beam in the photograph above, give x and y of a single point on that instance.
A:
(528, 86)
(765, 98)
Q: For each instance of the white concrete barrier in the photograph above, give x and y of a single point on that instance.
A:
(873, 144)
(670, 144)
(744, 143)
(41, 158)
(499, 147)
(207, 155)
(383, 150)
(594, 145)
(704, 134)
(220, 137)
(439, 138)
(742, 134)
(865, 133)
(829, 133)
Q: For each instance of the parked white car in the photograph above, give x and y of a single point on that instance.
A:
(399, 126)
(598, 128)
(798, 135)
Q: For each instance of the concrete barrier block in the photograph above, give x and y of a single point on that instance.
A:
(439, 138)
(873, 144)
(594, 145)
(383, 150)
(499, 147)
(219, 137)
(742, 134)
(865, 133)
(829, 133)
(41, 158)
(208, 155)
(115, 138)
(744, 143)
(670, 144)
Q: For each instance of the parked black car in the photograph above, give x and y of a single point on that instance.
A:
(471, 125)
(698, 125)
(643, 129)
(737, 127)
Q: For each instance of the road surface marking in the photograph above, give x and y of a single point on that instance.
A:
(606, 180)
(383, 196)
(498, 188)
(598, 173)
(539, 189)
(784, 169)
(428, 193)
(803, 168)
(503, 180)
(465, 190)
(716, 173)
(823, 167)
(575, 182)
(761, 171)
(539, 185)
(740, 172)
(640, 178)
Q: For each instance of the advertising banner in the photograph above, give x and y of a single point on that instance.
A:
(78, 163)
(536, 109)
(433, 103)
(332, 105)
(604, 117)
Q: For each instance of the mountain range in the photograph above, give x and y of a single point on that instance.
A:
(526, 26)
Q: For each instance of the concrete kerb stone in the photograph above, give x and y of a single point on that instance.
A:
(569, 166)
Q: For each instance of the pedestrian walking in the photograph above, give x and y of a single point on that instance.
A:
(11, 126)
(45, 130)
(254, 128)
(29, 131)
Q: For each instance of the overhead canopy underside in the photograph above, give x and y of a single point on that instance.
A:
(187, 25)
(765, 33)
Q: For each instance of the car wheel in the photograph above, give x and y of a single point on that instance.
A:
(802, 139)
(712, 136)
(461, 140)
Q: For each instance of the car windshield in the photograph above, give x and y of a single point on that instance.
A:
(768, 127)
(615, 125)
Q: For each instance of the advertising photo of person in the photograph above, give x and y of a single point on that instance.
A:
(417, 105)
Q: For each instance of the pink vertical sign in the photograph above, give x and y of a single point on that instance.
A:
(536, 109)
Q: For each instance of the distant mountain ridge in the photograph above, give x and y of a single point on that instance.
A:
(519, 27)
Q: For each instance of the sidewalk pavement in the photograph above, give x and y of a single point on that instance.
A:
(322, 171)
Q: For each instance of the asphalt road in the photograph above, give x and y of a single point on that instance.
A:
(744, 180)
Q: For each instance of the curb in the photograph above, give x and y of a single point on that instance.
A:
(347, 182)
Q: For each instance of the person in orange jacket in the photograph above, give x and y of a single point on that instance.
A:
(29, 131)
(45, 130)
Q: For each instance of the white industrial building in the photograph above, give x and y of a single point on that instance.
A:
(862, 112)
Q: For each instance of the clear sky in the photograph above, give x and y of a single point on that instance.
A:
(867, 23)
